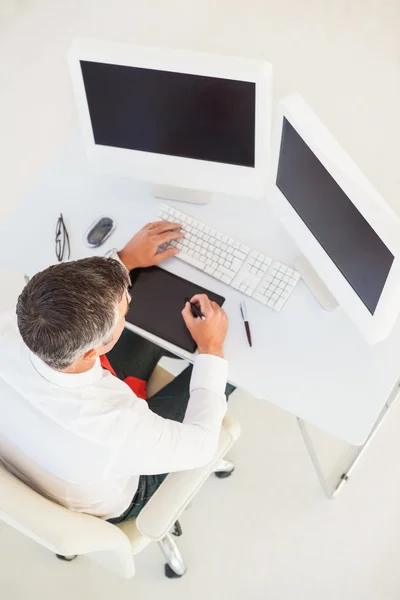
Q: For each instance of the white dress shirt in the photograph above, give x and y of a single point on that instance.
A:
(84, 439)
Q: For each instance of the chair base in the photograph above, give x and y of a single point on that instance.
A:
(177, 529)
(175, 566)
(170, 573)
(224, 469)
(67, 558)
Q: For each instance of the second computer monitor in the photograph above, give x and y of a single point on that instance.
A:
(342, 226)
(175, 118)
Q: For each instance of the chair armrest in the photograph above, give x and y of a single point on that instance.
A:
(60, 530)
(176, 492)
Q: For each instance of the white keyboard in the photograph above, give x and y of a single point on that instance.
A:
(251, 272)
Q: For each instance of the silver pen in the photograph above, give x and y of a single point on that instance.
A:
(243, 310)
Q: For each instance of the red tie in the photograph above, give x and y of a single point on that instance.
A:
(138, 386)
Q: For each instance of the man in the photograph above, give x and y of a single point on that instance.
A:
(73, 430)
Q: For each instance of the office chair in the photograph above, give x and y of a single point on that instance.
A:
(69, 534)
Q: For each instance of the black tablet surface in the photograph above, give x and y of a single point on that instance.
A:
(158, 298)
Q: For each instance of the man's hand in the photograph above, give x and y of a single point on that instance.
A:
(141, 250)
(209, 334)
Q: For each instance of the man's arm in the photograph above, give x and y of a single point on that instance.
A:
(156, 445)
(164, 445)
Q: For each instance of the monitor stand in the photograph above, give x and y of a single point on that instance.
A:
(315, 284)
(169, 192)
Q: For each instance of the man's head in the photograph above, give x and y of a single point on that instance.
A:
(73, 312)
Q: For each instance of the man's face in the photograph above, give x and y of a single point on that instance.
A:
(123, 308)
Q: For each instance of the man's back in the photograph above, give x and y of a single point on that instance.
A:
(83, 439)
(61, 433)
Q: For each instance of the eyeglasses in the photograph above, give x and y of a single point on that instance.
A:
(62, 240)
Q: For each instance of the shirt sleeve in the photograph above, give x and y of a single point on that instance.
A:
(156, 445)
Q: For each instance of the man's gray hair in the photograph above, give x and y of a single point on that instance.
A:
(70, 308)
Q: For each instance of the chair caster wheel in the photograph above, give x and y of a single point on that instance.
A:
(223, 474)
(67, 558)
(170, 573)
(177, 530)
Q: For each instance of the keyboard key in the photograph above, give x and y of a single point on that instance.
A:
(242, 287)
(239, 254)
(235, 285)
(260, 298)
(236, 264)
(279, 304)
(209, 270)
(217, 275)
(226, 271)
(195, 262)
(226, 279)
(251, 262)
(214, 265)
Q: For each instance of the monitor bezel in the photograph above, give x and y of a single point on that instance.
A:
(364, 196)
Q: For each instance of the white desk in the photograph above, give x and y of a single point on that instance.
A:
(305, 360)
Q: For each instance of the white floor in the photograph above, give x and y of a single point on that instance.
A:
(267, 532)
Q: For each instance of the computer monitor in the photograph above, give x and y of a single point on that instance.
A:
(345, 230)
(176, 118)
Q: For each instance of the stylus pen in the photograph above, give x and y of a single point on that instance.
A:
(246, 321)
(196, 312)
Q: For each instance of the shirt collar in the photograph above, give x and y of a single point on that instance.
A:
(67, 380)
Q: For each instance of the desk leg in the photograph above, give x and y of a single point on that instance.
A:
(329, 491)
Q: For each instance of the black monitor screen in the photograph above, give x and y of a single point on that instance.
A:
(190, 116)
(339, 227)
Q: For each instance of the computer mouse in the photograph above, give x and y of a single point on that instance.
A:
(100, 231)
